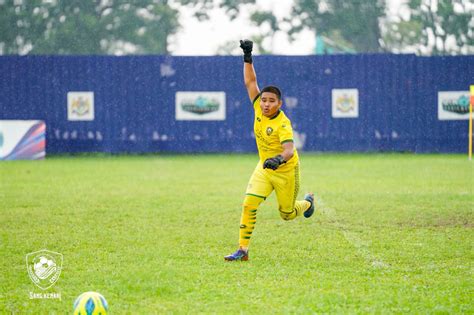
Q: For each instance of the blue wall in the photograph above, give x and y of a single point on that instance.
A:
(135, 99)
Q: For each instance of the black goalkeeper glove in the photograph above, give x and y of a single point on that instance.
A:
(247, 46)
(274, 162)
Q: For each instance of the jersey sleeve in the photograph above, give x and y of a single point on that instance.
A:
(285, 132)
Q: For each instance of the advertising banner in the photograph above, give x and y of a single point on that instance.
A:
(345, 103)
(453, 105)
(22, 139)
(200, 106)
(80, 106)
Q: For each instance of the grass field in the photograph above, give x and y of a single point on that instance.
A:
(392, 233)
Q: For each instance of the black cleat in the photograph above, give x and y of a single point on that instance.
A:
(309, 197)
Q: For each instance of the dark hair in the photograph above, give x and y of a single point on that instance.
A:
(272, 89)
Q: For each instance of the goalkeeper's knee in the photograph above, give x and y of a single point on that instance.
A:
(252, 202)
(287, 214)
(250, 205)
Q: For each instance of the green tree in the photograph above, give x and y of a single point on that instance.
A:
(96, 27)
(437, 27)
(268, 19)
(202, 7)
(85, 27)
(351, 22)
(403, 36)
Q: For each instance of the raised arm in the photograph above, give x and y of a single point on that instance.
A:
(250, 77)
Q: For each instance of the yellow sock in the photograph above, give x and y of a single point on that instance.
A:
(248, 219)
(301, 206)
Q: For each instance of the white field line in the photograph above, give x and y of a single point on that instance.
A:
(361, 246)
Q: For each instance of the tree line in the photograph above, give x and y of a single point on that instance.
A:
(426, 27)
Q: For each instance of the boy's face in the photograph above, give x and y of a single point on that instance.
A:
(269, 103)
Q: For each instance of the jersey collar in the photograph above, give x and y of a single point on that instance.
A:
(276, 115)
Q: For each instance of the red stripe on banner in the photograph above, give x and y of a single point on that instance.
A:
(39, 146)
(41, 128)
(30, 149)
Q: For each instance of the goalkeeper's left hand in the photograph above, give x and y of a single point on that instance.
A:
(274, 162)
(247, 46)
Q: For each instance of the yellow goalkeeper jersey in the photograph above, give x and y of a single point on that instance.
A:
(271, 133)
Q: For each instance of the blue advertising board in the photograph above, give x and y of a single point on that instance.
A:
(368, 102)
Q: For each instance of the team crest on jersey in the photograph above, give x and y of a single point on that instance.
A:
(258, 119)
(269, 131)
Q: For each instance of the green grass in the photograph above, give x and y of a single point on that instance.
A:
(393, 234)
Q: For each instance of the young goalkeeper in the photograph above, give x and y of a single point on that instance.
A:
(278, 168)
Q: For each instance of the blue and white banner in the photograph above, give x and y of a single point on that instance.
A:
(200, 106)
(80, 106)
(345, 103)
(453, 105)
(22, 139)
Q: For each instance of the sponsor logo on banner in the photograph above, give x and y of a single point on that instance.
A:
(345, 103)
(22, 139)
(80, 106)
(453, 105)
(200, 106)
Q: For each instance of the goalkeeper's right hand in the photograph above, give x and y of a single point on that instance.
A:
(247, 46)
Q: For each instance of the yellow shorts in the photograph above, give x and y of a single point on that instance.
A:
(286, 185)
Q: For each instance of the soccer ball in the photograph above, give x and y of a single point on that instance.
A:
(90, 303)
